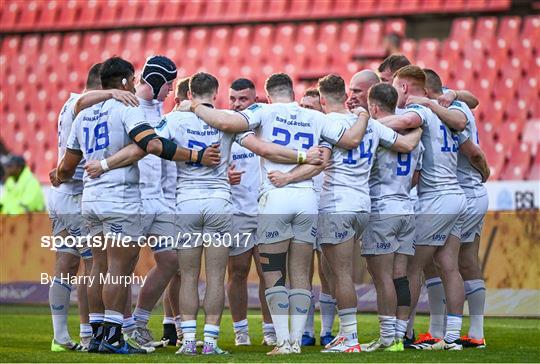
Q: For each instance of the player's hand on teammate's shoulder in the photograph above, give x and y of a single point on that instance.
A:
(184, 106)
(93, 168)
(358, 109)
(447, 98)
(314, 155)
(125, 97)
(53, 178)
(278, 179)
(419, 100)
(211, 156)
(235, 176)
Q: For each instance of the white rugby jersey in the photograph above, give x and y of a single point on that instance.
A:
(346, 186)
(99, 132)
(150, 167)
(291, 126)
(245, 194)
(195, 181)
(65, 122)
(391, 179)
(439, 165)
(469, 178)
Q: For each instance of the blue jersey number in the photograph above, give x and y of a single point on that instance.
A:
(195, 143)
(446, 146)
(284, 137)
(363, 153)
(404, 164)
(101, 136)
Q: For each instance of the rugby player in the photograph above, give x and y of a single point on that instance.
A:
(285, 230)
(244, 177)
(65, 212)
(358, 87)
(390, 234)
(111, 204)
(441, 202)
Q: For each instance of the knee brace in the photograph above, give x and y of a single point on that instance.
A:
(403, 292)
(276, 262)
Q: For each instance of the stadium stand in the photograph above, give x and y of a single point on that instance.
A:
(47, 47)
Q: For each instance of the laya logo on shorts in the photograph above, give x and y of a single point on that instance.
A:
(300, 310)
(272, 234)
(283, 305)
(383, 245)
(439, 237)
(341, 235)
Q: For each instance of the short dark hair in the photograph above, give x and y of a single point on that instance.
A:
(394, 62)
(433, 81)
(384, 95)
(113, 71)
(279, 83)
(312, 92)
(241, 84)
(182, 88)
(93, 80)
(333, 86)
(202, 83)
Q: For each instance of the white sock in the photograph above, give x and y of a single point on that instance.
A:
(59, 302)
(178, 324)
(328, 313)
(168, 320)
(277, 299)
(211, 334)
(128, 325)
(268, 328)
(310, 322)
(241, 326)
(299, 301)
(401, 328)
(113, 317)
(96, 318)
(453, 327)
(85, 330)
(141, 317)
(410, 325)
(387, 327)
(437, 307)
(189, 328)
(475, 290)
(347, 324)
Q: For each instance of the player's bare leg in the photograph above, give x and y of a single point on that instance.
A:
(95, 295)
(274, 266)
(340, 260)
(157, 280)
(403, 296)
(380, 268)
(475, 289)
(115, 292)
(327, 302)
(238, 271)
(269, 333)
(446, 258)
(189, 262)
(82, 297)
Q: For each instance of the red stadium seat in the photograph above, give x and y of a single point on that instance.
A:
(305, 45)
(349, 37)
(113, 44)
(29, 14)
(171, 10)
(495, 158)
(112, 11)
(322, 8)
(236, 11)
(499, 4)
(485, 30)
(509, 27)
(154, 43)
(126, 12)
(534, 174)
(214, 11)
(89, 15)
(508, 134)
(10, 15)
(68, 14)
(259, 10)
(408, 49)
(428, 55)
(462, 30)
(371, 40)
(396, 26)
(175, 41)
(517, 167)
(345, 8)
(328, 37)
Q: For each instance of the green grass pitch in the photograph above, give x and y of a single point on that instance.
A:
(26, 332)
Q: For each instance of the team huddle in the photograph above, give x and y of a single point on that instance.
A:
(393, 166)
